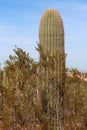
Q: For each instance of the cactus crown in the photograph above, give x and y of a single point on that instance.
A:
(51, 32)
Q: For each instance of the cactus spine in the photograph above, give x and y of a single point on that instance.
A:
(51, 39)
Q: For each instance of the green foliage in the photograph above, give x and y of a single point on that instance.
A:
(75, 102)
(19, 88)
(21, 103)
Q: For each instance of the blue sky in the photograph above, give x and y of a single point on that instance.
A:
(19, 25)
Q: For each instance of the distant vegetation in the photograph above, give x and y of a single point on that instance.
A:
(23, 102)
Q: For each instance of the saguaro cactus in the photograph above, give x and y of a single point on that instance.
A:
(51, 39)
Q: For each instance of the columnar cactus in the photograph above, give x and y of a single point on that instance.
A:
(51, 39)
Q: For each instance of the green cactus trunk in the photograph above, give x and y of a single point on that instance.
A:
(51, 39)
